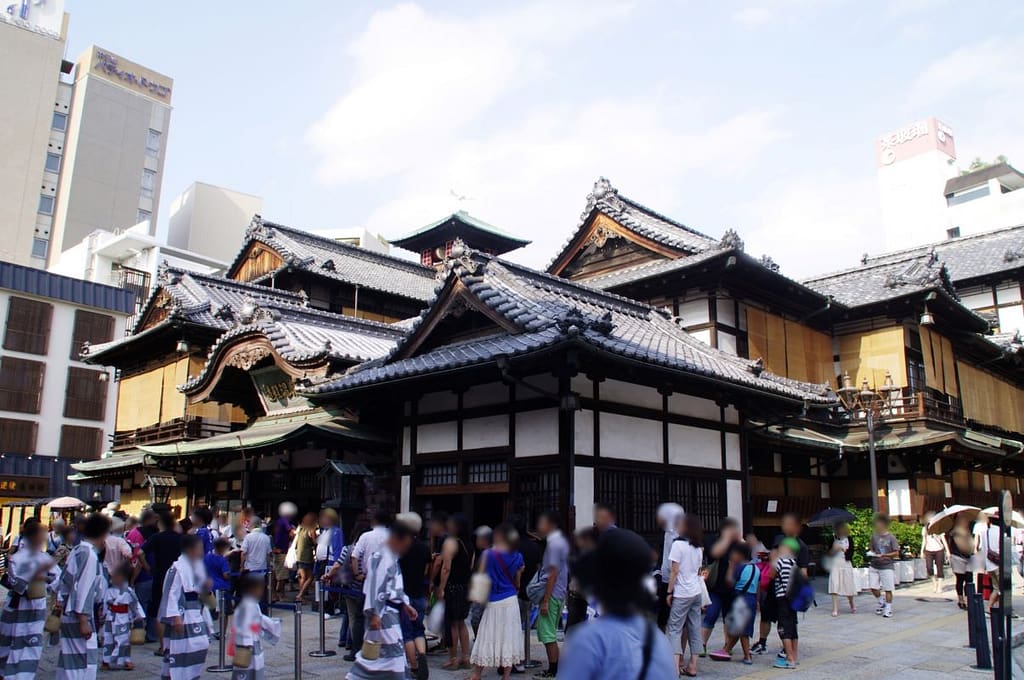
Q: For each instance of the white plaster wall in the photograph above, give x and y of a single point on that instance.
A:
(438, 401)
(537, 433)
(629, 438)
(732, 451)
(584, 485)
(437, 437)
(726, 310)
(483, 395)
(406, 445)
(404, 494)
(628, 393)
(687, 405)
(481, 433)
(732, 416)
(582, 385)
(734, 499)
(584, 433)
(694, 446)
(727, 342)
(694, 312)
(703, 335)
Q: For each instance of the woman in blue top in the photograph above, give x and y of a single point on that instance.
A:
(740, 620)
(499, 641)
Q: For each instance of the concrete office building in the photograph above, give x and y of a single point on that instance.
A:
(36, 90)
(54, 409)
(211, 220)
(985, 199)
(116, 144)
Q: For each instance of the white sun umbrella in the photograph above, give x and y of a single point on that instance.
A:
(944, 520)
(1016, 519)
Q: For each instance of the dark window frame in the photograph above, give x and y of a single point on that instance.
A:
(78, 437)
(14, 429)
(18, 335)
(85, 395)
(91, 327)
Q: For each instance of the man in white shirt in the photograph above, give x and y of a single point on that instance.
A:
(370, 542)
(255, 548)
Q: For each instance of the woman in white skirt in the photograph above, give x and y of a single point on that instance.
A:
(499, 641)
(841, 581)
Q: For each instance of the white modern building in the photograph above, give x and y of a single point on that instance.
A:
(54, 409)
(211, 220)
(986, 199)
(914, 163)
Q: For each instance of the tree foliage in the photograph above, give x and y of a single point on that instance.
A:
(908, 534)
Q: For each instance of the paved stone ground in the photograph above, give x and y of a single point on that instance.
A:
(926, 639)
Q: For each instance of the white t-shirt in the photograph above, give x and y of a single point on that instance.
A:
(689, 560)
(323, 544)
(256, 547)
(978, 562)
(369, 543)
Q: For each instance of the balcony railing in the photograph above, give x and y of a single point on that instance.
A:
(907, 403)
(179, 429)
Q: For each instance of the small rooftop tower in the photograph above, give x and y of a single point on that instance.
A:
(434, 241)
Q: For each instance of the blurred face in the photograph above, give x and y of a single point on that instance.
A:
(881, 527)
(790, 526)
(195, 552)
(544, 525)
(325, 520)
(436, 528)
(399, 544)
(38, 540)
(452, 528)
(483, 541)
(842, 531)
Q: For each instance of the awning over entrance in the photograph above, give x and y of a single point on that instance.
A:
(896, 437)
(264, 435)
(343, 469)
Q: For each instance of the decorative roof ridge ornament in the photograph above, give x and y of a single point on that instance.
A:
(461, 256)
(574, 321)
(603, 194)
(328, 265)
(224, 311)
(769, 263)
(163, 272)
(258, 228)
(1012, 255)
(757, 367)
(731, 240)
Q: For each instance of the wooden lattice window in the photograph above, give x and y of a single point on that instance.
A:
(92, 328)
(494, 472)
(535, 491)
(21, 384)
(86, 394)
(28, 326)
(634, 496)
(80, 443)
(18, 436)
(443, 474)
(698, 496)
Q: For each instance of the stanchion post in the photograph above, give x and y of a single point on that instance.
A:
(969, 596)
(298, 641)
(998, 629)
(982, 652)
(321, 605)
(527, 662)
(222, 665)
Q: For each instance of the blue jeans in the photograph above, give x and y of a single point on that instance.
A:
(144, 591)
(719, 607)
(356, 620)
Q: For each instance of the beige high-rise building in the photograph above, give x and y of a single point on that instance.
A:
(35, 89)
(211, 220)
(116, 144)
(83, 143)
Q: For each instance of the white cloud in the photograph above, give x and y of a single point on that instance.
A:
(440, 104)
(814, 223)
(753, 16)
(982, 67)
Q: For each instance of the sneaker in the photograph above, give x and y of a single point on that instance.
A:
(349, 657)
(783, 663)
(880, 610)
(327, 616)
(544, 674)
(704, 653)
(720, 655)
(781, 654)
(887, 613)
(747, 661)
(759, 648)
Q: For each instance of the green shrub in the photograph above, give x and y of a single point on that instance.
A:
(908, 534)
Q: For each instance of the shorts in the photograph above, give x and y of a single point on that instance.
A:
(281, 572)
(787, 620)
(751, 600)
(547, 625)
(719, 607)
(882, 579)
(412, 630)
(304, 565)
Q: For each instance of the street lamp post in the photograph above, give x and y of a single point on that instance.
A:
(868, 400)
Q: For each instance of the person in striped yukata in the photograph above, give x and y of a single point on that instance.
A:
(123, 610)
(249, 627)
(385, 597)
(82, 586)
(30, 572)
(182, 610)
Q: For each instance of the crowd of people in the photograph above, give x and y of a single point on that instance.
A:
(107, 581)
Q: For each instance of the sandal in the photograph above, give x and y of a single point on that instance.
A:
(465, 664)
(450, 665)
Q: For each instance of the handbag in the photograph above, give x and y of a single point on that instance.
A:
(36, 590)
(536, 589)
(705, 596)
(292, 556)
(370, 649)
(52, 624)
(479, 588)
(137, 636)
(243, 656)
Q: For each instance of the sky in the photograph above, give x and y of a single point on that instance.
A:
(759, 116)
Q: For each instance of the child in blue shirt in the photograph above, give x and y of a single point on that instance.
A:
(740, 620)
(217, 567)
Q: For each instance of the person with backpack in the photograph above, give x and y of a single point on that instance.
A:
(785, 570)
(881, 570)
(622, 643)
(791, 528)
(739, 622)
(961, 547)
(719, 579)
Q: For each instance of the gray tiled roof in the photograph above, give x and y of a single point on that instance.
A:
(548, 310)
(302, 336)
(647, 270)
(39, 282)
(340, 261)
(892, 275)
(641, 220)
